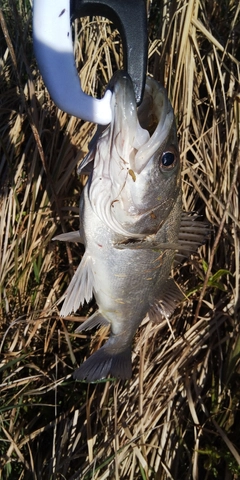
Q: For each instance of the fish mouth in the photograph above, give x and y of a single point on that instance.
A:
(126, 133)
(135, 133)
(138, 132)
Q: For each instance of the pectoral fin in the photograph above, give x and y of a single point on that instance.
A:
(167, 301)
(80, 288)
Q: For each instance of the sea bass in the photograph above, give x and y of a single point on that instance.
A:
(131, 224)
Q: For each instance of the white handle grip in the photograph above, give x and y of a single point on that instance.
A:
(53, 47)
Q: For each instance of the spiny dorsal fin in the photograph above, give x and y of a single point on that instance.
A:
(69, 237)
(80, 287)
(86, 166)
(165, 304)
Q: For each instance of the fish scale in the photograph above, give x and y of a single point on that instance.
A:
(131, 224)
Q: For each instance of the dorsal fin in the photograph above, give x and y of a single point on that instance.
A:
(165, 304)
(192, 235)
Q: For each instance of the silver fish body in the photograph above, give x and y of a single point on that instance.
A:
(130, 224)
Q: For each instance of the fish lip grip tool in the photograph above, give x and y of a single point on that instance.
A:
(54, 51)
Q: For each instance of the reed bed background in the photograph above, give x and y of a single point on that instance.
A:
(178, 417)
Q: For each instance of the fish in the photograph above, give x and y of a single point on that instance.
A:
(131, 224)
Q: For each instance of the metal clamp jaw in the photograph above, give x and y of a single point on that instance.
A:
(54, 50)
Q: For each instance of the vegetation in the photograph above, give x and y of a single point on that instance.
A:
(178, 417)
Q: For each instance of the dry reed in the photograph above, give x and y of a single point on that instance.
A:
(178, 417)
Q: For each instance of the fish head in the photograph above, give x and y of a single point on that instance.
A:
(135, 180)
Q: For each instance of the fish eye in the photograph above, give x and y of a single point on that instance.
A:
(168, 160)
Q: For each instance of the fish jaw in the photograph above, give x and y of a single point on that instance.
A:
(113, 150)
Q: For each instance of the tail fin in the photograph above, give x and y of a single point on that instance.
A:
(103, 362)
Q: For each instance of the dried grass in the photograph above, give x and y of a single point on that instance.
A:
(178, 417)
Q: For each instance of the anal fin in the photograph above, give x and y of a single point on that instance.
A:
(95, 320)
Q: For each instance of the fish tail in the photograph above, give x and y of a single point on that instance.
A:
(105, 362)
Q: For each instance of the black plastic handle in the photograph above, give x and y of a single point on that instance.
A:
(130, 18)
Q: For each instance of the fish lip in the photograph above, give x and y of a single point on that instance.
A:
(120, 84)
(127, 130)
(123, 102)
